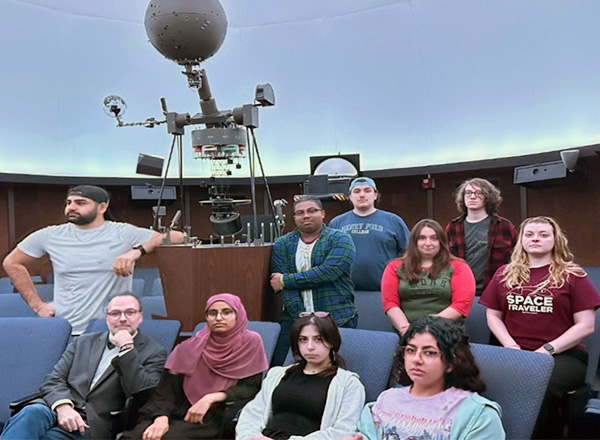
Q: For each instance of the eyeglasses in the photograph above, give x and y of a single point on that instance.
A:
(227, 313)
(478, 194)
(317, 314)
(427, 354)
(116, 314)
(309, 211)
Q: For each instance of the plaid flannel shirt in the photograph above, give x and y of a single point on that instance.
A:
(502, 237)
(329, 276)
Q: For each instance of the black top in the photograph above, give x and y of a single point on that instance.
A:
(298, 403)
(169, 399)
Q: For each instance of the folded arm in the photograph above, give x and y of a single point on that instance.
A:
(124, 263)
(338, 261)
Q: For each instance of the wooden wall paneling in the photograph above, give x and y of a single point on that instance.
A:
(576, 208)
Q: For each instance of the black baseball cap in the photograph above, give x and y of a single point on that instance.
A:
(95, 193)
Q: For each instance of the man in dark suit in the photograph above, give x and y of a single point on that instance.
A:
(95, 375)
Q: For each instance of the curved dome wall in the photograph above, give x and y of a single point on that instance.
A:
(404, 83)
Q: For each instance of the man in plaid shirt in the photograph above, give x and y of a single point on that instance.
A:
(311, 269)
(480, 236)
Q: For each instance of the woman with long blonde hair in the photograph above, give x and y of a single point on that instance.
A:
(543, 301)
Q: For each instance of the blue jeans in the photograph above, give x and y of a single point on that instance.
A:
(38, 421)
(283, 342)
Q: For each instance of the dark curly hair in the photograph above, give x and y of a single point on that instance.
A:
(329, 332)
(453, 343)
(491, 195)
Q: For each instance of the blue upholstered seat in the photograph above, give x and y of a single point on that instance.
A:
(370, 311)
(153, 305)
(138, 286)
(517, 380)
(149, 275)
(46, 291)
(12, 305)
(476, 324)
(29, 347)
(6, 285)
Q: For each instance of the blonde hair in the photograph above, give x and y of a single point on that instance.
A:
(517, 271)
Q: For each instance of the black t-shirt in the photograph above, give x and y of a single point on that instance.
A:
(298, 403)
(476, 243)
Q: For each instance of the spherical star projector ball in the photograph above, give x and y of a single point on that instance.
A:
(186, 31)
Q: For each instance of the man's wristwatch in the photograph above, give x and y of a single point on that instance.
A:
(140, 248)
(549, 348)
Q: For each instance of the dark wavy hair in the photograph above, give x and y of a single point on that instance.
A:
(329, 332)
(453, 343)
(491, 195)
(411, 267)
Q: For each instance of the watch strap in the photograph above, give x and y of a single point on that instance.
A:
(549, 348)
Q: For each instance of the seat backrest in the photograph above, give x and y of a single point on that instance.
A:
(592, 345)
(6, 285)
(517, 380)
(148, 274)
(594, 274)
(29, 347)
(13, 305)
(476, 324)
(368, 353)
(370, 311)
(163, 331)
(156, 288)
(153, 305)
(268, 331)
(46, 291)
(138, 286)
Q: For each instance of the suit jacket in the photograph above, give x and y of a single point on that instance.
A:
(137, 369)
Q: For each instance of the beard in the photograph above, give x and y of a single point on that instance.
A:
(82, 219)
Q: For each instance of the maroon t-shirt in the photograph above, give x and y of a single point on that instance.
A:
(536, 313)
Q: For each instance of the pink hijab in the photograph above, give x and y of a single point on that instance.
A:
(213, 362)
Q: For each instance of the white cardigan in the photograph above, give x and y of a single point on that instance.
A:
(345, 400)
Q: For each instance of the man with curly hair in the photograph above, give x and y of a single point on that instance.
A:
(479, 235)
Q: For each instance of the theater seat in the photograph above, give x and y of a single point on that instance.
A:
(6, 285)
(148, 274)
(29, 349)
(476, 323)
(153, 305)
(517, 380)
(13, 305)
(370, 311)
(46, 291)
